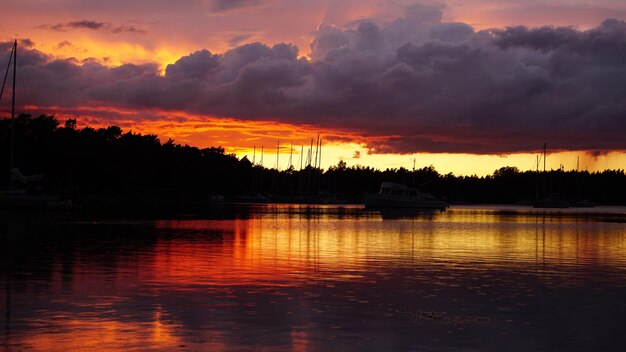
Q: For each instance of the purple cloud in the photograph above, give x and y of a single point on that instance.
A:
(415, 84)
(93, 25)
(226, 5)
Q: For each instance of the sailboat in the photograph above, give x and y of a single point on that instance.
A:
(580, 202)
(548, 200)
(398, 196)
(19, 195)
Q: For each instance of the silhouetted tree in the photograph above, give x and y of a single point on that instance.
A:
(109, 164)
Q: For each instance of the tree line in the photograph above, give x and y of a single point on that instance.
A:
(107, 166)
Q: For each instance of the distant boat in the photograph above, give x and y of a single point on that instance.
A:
(215, 199)
(394, 195)
(580, 202)
(249, 198)
(549, 200)
(583, 203)
(21, 200)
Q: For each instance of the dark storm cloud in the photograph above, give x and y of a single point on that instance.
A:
(92, 25)
(412, 85)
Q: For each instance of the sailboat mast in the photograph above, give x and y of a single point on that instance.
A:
(537, 164)
(544, 170)
(12, 160)
(277, 151)
(319, 160)
(413, 173)
(319, 165)
(544, 157)
(537, 179)
(317, 143)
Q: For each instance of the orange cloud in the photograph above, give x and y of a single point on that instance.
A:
(234, 135)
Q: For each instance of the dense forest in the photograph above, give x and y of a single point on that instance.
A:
(107, 166)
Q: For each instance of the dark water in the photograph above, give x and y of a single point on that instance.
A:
(311, 278)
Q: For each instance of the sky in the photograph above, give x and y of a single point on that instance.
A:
(467, 86)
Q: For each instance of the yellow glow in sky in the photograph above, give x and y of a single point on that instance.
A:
(444, 163)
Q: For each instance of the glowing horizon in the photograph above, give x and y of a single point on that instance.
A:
(249, 139)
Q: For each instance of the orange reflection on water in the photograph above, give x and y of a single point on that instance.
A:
(101, 335)
(282, 274)
(283, 249)
(299, 341)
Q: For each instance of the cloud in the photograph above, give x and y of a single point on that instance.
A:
(84, 24)
(64, 44)
(26, 43)
(227, 5)
(238, 39)
(93, 25)
(414, 84)
(490, 13)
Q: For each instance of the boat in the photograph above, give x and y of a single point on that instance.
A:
(552, 200)
(24, 192)
(548, 200)
(215, 198)
(251, 197)
(395, 195)
(21, 200)
(583, 203)
(580, 202)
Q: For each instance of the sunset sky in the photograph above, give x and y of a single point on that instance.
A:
(467, 86)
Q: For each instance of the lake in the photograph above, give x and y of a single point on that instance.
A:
(316, 278)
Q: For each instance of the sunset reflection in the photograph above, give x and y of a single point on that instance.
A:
(308, 277)
(107, 335)
(279, 248)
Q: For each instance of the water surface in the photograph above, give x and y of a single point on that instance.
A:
(311, 278)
